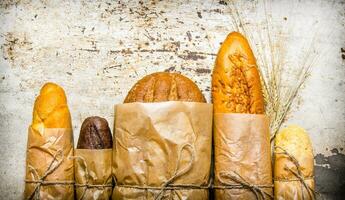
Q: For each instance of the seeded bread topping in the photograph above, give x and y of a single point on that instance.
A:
(236, 86)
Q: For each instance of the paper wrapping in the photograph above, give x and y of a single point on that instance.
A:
(292, 189)
(93, 167)
(40, 153)
(150, 141)
(242, 146)
(294, 166)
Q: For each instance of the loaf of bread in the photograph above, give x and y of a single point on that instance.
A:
(163, 120)
(236, 86)
(164, 86)
(95, 134)
(294, 141)
(50, 109)
(50, 143)
(241, 130)
(94, 157)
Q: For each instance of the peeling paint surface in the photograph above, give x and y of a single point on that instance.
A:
(96, 50)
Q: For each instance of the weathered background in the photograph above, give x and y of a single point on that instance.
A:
(97, 50)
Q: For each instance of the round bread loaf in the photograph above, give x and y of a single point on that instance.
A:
(95, 134)
(50, 109)
(164, 86)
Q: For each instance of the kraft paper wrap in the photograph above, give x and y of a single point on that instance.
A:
(242, 157)
(93, 178)
(49, 169)
(294, 175)
(293, 189)
(162, 150)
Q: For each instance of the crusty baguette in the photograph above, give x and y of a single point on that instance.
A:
(164, 86)
(50, 109)
(50, 143)
(241, 130)
(95, 134)
(236, 86)
(295, 141)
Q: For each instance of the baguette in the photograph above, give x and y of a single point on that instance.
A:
(236, 86)
(50, 109)
(241, 130)
(50, 143)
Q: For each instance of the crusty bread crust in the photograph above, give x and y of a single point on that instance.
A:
(236, 86)
(50, 109)
(95, 134)
(164, 86)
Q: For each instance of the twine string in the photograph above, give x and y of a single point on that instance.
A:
(87, 185)
(40, 180)
(168, 185)
(298, 174)
(242, 184)
(177, 173)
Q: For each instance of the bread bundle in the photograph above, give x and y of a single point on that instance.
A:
(49, 169)
(163, 140)
(241, 130)
(294, 165)
(93, 159)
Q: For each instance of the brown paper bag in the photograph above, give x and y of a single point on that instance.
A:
(162, 150)
(242, 157)
(93, 178)
(49, 169)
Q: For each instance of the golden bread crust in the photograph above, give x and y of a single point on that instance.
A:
(236, 86)
(50, 109)
(164, 86)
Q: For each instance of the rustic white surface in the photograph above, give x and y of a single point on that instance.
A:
(97, 50)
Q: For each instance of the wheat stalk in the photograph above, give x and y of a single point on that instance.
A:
(270, 53)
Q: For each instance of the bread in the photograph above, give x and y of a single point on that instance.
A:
(295, 141)
(236, 86)
(50, 143)
(241, 141)
(164, 86)
(50, 109)
(95, 134)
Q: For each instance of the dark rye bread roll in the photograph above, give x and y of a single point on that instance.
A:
(95, 134)
(164, 86)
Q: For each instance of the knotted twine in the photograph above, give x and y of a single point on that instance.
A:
(40, 180)
(177, 173)
(242, 184)
(311, 192)
(87, 185)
